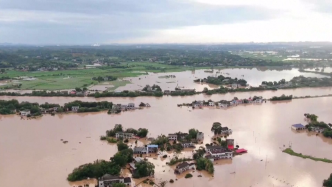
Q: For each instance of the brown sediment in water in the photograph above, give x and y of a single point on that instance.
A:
(31, 150)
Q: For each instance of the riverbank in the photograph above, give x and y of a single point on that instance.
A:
(291, 152)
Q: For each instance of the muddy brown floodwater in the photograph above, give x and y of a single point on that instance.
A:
(31, 153)
(253, 76)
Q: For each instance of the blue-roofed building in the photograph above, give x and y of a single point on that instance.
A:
(298, 127)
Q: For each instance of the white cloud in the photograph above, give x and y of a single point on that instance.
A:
(304, 28)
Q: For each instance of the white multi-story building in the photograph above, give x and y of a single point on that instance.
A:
(124, 135)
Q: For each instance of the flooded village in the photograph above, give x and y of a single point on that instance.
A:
(247, 149)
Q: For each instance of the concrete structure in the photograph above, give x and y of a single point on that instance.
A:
(200, 136)
(172, 136)
(144, 150)
(184, 166)
(123, 107)
(25, 112)
(124, 135)
(107, 180)
(75, 108)
(221, 154)
(226, 130)
(187, 145)
(131, 106)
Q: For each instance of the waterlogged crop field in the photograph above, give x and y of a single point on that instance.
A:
(69, 79)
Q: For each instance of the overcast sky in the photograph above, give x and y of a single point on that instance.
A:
(164, 21)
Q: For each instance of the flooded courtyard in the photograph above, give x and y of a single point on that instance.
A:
(31, 150)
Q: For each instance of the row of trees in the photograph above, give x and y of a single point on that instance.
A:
(222, 80)
(282, 98)
(314, 123)
(106, 78)
(13, 106)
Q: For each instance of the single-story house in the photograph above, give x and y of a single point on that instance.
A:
(184, 166)
(139, 150)
(124, 135)
(298, 127)
(131, 106)
(138, 159)
(25, 112)
(75, 108)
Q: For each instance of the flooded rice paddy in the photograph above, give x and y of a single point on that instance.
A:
(253, 76)
(32, 152)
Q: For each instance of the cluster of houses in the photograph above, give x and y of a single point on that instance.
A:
(129, 106)
(181, 138)
(226, 104)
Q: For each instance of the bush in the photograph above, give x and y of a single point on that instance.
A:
(122, 146)
(111, 140)
(151, 183)
(165, 156)
(103, 138)
(188, 175)
(171, 181)
(94, 170)
(126, 141)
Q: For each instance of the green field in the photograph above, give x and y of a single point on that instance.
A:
(69, 79)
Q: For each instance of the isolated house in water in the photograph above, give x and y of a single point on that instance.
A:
(298, 127)
(184, 166)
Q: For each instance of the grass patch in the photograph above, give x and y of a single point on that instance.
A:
(188, 175)
(58, 80)
(291, 152)
(116, 84)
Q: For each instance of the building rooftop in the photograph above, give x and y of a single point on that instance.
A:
(214, 147)
(127, 180)
(298, 126)
(182, 165)
(139, 149)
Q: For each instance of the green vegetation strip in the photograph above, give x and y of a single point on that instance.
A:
(291, 152)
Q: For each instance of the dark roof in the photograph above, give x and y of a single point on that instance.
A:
(127, 180)
(224, 128)
(224, 150)
(214, 147)
(108, 177)
(298, 125)
(182, 165)
(139, 149)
